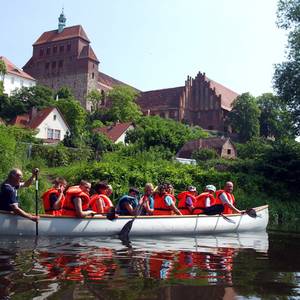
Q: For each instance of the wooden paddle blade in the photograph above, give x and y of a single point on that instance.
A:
(251, 212)
(213, 210)
(111, 215)
(228, 219)
(125, 230)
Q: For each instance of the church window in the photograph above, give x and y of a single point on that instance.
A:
(41, 52)
(61, 48)
(60, 63)
(55, 49)
(53, 64)
(48, 51)
(69, 47)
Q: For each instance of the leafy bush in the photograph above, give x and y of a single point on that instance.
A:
(204, 154)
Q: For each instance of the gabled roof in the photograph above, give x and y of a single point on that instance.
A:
(215, 143)
(87, 51)
(12, 69)
(114, 132)
(227, 95)
(37, 118)
(67, 33)
(167, 98)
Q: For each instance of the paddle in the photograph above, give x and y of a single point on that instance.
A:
(111, 215)
(124, 233)
(36, 203)
(251, 213)
(216, 209)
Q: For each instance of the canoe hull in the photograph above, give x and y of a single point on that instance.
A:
(142, 226)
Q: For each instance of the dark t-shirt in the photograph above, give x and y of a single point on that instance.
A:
(122, 210)
(8, 196)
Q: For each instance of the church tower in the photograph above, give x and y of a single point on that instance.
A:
(64, 58)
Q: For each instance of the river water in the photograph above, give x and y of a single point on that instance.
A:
(237, 266)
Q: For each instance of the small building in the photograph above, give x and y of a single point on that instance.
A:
(116, 132)
(49, 123)
(223, 146)
(15, 78)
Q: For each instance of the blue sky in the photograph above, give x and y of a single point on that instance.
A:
(153, 44)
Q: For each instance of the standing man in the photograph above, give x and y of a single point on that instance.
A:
(226, 198)
(9, 200)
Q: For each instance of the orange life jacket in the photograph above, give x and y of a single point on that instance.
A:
(182, 204)
(200, 202)
(68, 208)
(227, 209)
(47, 204)
(105, 201)
(160, 206)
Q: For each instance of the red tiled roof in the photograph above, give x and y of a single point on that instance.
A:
(227, 95)
(21, 120)
(113, 132)
(12, 69)
(208, 143)
(67, 33)
(87, 51)
(167, 98)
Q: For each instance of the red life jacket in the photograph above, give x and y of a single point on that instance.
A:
(49, 210)
(105, 201)
(68, 208)
(227, 209)
(182, 204)
(200, 202)
(160, 206)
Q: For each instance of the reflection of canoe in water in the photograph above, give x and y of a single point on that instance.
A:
(142, 226)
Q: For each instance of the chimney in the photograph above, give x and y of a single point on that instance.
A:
(32, 113)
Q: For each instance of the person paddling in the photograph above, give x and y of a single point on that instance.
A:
(205, 199)
(78, 200)
(54, 197)
(128, 204)
(9, 200)
(187, 200)
(226, 198)
(100, 202)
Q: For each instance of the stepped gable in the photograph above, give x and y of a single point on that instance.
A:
(164, 98)
(68, 33)
(12, 69)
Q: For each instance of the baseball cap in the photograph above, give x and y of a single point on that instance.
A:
(191, 188)
(211, 187)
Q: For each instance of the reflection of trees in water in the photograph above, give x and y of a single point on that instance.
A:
(105, 273)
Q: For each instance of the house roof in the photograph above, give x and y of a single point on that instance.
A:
(209, 143)
(114, 132)
(164, 98)
(227, 95)
(37, 118)
(67, 33)
(12, 69)
(111, 82)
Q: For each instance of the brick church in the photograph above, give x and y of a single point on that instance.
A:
(64, 57)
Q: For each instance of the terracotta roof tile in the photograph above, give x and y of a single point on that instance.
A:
(113, 132)
(12, 69)
(67, 33)
(208, 143)
(164, 98)
(227, 95)
(39, 117)
(111, 82)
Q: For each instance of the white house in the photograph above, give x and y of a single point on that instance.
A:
(116, 132)
(15, 78)
(49, 124)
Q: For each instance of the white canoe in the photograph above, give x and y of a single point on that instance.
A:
(11, 224)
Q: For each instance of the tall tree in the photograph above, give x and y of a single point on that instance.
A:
(287, 75)
(123, 107)
(275, 120)
(244, 117)
(95, 97)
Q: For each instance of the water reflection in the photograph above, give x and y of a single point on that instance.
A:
(209, 267)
